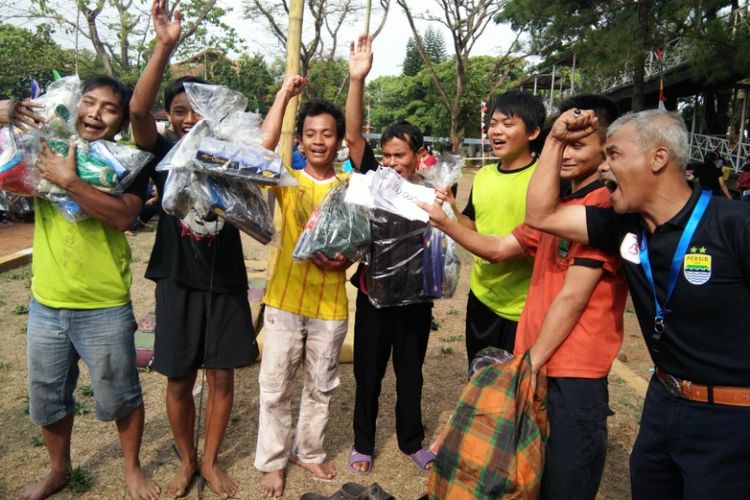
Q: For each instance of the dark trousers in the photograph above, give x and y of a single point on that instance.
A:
(577, 444)
(689, 450)
(405, 330)
(484, 328)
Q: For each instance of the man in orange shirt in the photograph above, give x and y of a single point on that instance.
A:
(572, 322)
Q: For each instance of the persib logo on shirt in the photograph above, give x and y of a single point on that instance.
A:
(697, 266)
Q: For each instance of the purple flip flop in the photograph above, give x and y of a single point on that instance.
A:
(422, 459)
(355, 457)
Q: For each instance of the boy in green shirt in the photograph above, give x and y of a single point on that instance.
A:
(497, 204)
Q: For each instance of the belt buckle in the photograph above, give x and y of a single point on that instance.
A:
(672, 385)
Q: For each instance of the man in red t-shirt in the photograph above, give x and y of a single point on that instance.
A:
(572, 322)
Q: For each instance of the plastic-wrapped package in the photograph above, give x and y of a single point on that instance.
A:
(489, 356)
(442, 265)
(395, 260)
(105, 165)
(60, 103)
(243, 206)
(14, 171)
(227, 142)
(334, 227)
(194, 198)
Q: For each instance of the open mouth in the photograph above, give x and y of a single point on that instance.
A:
(92, 128)
(610, 185)
(498, 143)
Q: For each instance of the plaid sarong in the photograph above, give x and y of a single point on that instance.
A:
(493, 445)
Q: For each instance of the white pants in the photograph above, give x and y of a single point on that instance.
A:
(289, 339)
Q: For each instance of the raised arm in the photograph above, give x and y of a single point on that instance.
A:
(167, 35)
(543, 208)
(20, 113)
(360, 63)
(290, 87)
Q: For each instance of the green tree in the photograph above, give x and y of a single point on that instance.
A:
(434, 45)
(465, 21)
(412, 60)
(118, 29)
(34, 54)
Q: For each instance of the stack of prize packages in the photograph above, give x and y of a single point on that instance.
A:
(216, 168)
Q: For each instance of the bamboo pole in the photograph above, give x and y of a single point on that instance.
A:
(367, 16)
(293, 42)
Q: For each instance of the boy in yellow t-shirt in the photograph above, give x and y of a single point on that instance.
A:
(306, 315)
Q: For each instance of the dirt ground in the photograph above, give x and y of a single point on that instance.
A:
(96, 449)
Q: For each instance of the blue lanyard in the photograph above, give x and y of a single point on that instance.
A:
(679, 255)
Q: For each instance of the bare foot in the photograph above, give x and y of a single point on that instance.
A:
(140, 486)
(54, 481)
(178, 486)
(272, 483)
(361, 466)
(325, 471)
(222, 484)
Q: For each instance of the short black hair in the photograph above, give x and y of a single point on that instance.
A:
(123, 91)
(315, 107)
(605, 108)
(406, 132)
(528, 107)
(177, 86)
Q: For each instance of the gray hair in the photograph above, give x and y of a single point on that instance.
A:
(655, 127)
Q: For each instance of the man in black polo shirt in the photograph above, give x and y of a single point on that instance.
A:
(694, 440)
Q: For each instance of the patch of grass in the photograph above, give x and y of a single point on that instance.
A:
(80, 481)
(446, 349)
(4, 365)
(135, 259)
(26, 404)
(23, 329)
(36, 441)
(2, 302)
(453, 338)
(82, 408)
(18, 276)
(87, 390)
(234, 419)
(452, 311)
(21, 309)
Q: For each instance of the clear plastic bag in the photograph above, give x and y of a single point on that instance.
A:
(242, 205)
(14, 171)
(60, 104)
(442, 265)
(335, 227)
(395, 260)
(195, 198)
(227, 142)
(105, 165)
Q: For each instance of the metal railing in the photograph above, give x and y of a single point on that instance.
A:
(700, 145)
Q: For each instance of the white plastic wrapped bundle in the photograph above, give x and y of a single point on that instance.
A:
(227, 142)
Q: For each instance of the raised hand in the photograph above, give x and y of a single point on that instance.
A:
(573, 125)
(167, 32)
(360, 57)
(293, 85)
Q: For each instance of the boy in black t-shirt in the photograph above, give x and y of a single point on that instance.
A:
(202, 310)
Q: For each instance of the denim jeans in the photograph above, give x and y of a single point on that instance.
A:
(103, 338)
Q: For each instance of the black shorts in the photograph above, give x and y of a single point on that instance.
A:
(484, 328)
(190, 334)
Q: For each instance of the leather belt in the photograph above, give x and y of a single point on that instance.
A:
(679, 388)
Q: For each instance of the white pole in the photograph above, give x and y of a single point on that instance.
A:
(738, 162)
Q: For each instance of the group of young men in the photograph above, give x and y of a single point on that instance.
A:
(551, 278)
